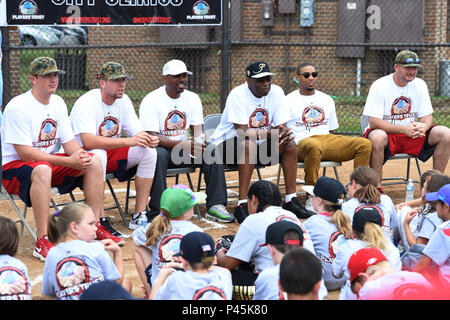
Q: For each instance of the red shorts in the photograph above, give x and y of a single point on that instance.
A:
(117, 164)
(17, 177)
(401, 143)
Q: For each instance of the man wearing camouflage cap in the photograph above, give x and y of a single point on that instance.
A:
(400, 117)
(98, 118)
(34, 125)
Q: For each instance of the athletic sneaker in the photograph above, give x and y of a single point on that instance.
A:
(41, 248)
(299, 210)
(138, 220)
(218, 212)
(102, 233)
(107, 223)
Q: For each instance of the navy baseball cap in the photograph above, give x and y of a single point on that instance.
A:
(197, 247)
(258, 69)
(328, 189)
(106, 290)
(276, 231)
(366, 213)
(442, 194)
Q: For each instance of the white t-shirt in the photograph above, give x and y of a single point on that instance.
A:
(91, 115)
(71, 267)
(252, 233)
(243, 108)
(167, 246)
(311, 115)
(169, 117)
(398, 105)
(14, 280)
(28, 122)
(387, 207)
(438, 249)
(189, 285)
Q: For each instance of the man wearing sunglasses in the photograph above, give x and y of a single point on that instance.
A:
(400, 117)
(313, 121)
(252, 123)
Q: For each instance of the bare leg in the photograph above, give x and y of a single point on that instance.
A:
(94, 186)
(245, 166)
(142, 259)
(379, 141)
(40, 194)
(143, 187)
(289, 165)
(440, 137)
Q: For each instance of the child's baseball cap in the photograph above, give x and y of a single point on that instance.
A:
(328, 189)
(366, 213)
(106, 290)
(362, 259)
(276, 231)
(442, 194)
(196, 247)
(179, 198)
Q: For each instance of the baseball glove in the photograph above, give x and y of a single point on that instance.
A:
(224, 242)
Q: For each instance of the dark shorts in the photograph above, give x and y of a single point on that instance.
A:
(401, 143)
(117, 164)
(17, 178)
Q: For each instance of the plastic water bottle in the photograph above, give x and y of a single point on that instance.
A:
(409, 191)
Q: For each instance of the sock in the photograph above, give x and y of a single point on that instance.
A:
(289, 197)
(242, 201)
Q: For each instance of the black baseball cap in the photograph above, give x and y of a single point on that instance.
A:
(258, 69)
(328, 189)
(106, 290)
(197, 247)
(276, 231)
(366, 213)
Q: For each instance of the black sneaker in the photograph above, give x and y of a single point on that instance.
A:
(241, 212)
(299, 210)
(106, 222)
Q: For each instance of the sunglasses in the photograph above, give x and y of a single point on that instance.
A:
(308, 74)
(263, 79)
(410, 60)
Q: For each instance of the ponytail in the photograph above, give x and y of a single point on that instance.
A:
(160, 226)
(368, 179)
(374, 236)
(343, 223)
(59, 221)
(368, 194)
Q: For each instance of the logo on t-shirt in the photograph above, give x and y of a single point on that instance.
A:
(13, 284)
(333, 245)
(72, 277)
(259, 119)
(313, 116)
(175, 124)
(47, 134)
(400, 110)
(209, 293)
(109, 127)
(169, 246)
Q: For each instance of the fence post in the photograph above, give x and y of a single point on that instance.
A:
(5, 61)
(226, 42)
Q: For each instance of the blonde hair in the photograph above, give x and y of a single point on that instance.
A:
(373, 236)
(160, 226)
(339, 218)
(59, 221)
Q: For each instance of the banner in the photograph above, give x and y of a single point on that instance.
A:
(114, 12)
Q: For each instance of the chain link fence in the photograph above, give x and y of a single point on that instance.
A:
(351, 43)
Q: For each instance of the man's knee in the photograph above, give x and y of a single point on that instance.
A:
(42, 174)
(310, 148)
(438, 135)
(378, 138)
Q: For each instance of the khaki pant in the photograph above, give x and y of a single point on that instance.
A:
(331, 147)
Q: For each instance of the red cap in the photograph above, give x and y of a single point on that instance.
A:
(362, 259)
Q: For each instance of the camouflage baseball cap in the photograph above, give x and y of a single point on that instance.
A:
(112, 70)
(44, 65)
(407, 58)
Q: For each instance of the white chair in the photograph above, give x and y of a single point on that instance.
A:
(364, 122)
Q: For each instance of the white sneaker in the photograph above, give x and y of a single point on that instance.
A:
(138, 220)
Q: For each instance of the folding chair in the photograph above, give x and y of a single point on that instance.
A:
(364, 122)
(323, 164)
